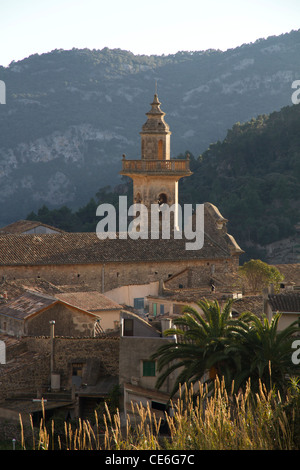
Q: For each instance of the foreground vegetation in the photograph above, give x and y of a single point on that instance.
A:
(200, 421)
(250, 402)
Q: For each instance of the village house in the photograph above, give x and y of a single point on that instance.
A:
(30, 314)
(106, 311)
(287, 303)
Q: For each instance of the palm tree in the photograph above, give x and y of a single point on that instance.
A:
(236, 349)
(200, 346)
(264, 353)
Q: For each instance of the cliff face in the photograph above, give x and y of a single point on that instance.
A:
(70, 115)
(57, 169)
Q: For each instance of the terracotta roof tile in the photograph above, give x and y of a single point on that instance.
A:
(91, 301)
(287, 302)
(26, 304)
(84, 248)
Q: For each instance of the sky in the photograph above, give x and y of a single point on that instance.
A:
(143, 27)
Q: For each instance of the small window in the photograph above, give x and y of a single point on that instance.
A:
(162, 309)
(77, 369)
(128, 327)
(148, 368)
(158, 406)
(138, 303)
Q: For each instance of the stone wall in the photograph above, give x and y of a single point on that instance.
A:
(72, 350)
(29, 372)
(112, 275)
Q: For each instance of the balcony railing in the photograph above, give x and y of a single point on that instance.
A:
(172, 166)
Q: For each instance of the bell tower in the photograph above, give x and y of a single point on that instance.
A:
(155, 175)
(155, 134)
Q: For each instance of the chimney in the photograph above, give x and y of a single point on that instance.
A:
(166, 324)
(52, 323)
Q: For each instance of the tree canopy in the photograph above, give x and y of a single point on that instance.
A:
(256, 275)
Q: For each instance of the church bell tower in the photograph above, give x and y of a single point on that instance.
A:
(155, 175)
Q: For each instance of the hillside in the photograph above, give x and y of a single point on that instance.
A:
(70, 115)
(253, 176)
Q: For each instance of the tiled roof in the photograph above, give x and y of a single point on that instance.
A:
(284, 303)
(26, 304)
(85, 248)
(249, 303)
(22, 226)
(30, 303)
(91, 301)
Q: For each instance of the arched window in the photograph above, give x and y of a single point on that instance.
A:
(162, 199)
(160, 150)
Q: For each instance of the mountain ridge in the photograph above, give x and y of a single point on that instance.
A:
(70, 115)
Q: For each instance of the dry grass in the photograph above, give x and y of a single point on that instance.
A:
(202, 421)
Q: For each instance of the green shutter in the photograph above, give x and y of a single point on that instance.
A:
(149, 368)
(154, 309)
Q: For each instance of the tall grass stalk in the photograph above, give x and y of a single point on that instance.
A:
(198, 420)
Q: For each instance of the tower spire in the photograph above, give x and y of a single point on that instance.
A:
(155, 177)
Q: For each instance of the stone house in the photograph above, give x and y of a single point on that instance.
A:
(30, 314)
(106, 310)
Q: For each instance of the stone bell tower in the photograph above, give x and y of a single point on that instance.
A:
(155, 176)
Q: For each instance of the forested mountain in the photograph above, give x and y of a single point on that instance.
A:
(70, 115)
(252, 176)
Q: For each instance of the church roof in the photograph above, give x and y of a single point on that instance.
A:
(86, 248)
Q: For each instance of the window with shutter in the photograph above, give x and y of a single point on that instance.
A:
(148, 368)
